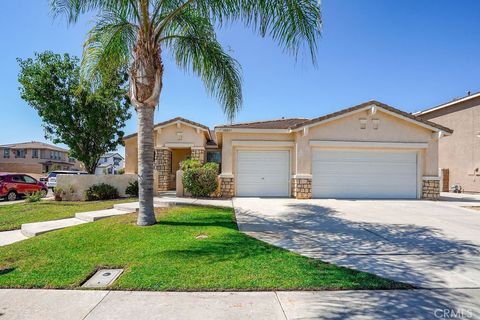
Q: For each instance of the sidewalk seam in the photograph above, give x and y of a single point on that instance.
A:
(281, 306)
(98, 303)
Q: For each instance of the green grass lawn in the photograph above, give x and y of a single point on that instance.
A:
(13, 216)
(169, 256)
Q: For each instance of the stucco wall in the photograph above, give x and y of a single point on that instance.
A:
(460, 152)
(131, 155)
(180, 135)
(80, 183)
(390, 129)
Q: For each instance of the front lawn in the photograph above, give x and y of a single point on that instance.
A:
(191, 248)
(13, 216)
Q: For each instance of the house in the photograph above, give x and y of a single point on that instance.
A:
(370, 150)
(110, 163)
(35, 157)
(459, 154)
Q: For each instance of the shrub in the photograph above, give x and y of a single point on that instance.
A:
(201, 181)
(121, 171)
(34, 196)
(190, 164)
(101, 191)
(132, 189)
(212, 166)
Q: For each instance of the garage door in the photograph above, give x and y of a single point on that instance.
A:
(263, 173)
(364, 174)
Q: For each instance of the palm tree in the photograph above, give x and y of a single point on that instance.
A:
(137, 34)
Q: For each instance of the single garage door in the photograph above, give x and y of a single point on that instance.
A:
(263, 173)
(364, 174)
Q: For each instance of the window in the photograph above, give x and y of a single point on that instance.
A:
(214, 156)
(6, 153)
(34, 153)
(116, 161)
(17, 179)
(20, 153)
(29, 179)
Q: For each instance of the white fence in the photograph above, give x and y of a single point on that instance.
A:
(76, 185)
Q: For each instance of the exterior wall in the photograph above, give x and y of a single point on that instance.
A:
(131, 155)
(21, 167)
(302, 188)
(163, 169)
(198, 153)
(460, 152)
(390, 129)
(431, 188)
(80, 183)
(179, 135)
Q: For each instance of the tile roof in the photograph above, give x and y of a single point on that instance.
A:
(33, 145)
(379, 104)
(193, 123)
(268, 124)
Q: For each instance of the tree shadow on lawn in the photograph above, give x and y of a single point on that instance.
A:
(405, 253)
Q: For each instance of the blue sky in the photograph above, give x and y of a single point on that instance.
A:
(409, 54)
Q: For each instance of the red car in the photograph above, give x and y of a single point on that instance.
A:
(15, 185)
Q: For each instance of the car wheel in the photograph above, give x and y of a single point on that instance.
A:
(43, 192)
(12, 196)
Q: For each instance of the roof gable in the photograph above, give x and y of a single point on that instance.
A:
(369, 105)
(173, 121)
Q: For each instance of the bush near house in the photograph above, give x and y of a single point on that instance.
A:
(132, 189)
(102, 191)
(200, 181)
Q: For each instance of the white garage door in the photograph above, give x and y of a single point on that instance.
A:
(263, 173)
(364, 174)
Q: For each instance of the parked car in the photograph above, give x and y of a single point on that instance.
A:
(52, 176)
(13, 186)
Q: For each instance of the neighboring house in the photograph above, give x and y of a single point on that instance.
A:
(368, 151)
(459, 154)
(35, 157)
(110, 163)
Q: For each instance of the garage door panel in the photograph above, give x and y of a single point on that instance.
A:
(364, 174)
(263, 173)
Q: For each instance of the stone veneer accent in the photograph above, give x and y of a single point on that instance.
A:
(302, 188)
(227, 187)
(431, 188)
(199, 154)
(163, 168)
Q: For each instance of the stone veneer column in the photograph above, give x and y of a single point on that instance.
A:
(199, 154)
(163, 168)
(431, 188)
(302, 187)
(227, 186)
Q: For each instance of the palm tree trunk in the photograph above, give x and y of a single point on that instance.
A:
(146, 214)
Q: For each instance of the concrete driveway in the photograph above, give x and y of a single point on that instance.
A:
(423, 243)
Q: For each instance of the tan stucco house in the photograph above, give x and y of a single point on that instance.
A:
(459, 154)
(368, 151)
(35, 158)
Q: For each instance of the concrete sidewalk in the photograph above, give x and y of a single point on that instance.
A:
(80, 304)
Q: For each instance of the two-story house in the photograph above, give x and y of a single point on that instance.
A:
(35, 157)
(459, 154)
(110, 163)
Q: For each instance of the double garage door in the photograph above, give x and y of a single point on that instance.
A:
(364, 174)
(335, 174)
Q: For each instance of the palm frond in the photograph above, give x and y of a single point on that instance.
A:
(72, 9)
(109, 43)
(191, 39)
